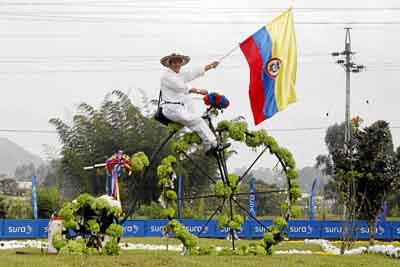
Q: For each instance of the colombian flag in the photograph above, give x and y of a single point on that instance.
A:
(271, 53)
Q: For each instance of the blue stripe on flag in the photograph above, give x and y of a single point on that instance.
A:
(264, 45)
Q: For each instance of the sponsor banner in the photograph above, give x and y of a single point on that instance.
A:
(34, 198)
(383, 230)
(196, 226)
(395, 230)
(20, 229)
(257, 230)
(250, 229)
(133, 228)
(304, 229)
(252, 198)
(154, 227)
(244, 231)
(331, 229)
(43, 227)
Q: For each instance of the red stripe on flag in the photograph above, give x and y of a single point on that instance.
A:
(256, 87)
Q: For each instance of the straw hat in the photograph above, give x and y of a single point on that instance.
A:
(165, 61)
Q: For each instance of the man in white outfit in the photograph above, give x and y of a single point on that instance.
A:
(176, 104)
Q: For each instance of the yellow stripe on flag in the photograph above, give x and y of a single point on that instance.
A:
(282, 33)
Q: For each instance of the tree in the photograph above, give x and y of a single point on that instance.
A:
(366, 174)
(378, 168)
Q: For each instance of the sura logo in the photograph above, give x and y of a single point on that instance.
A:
(259, 229)
(332, 229)
(156, 228)
(20, 229)
(379, 230)
(196, 229)
(301, 229)
(132, 229)
(227, 230)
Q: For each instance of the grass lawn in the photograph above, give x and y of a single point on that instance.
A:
(299, 245)
(33, 257)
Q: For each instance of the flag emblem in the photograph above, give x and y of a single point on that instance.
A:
(273, 66)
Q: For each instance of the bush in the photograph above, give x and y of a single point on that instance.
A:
(49, 201)
(3, 208)
(151, 211)
(18, 208)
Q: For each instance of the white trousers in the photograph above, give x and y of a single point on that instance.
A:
(186, 115)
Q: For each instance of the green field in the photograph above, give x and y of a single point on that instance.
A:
(34, 257)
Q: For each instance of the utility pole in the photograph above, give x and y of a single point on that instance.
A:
(349, 207)
(349, 67)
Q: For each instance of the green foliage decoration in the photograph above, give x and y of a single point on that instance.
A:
(58, 241)
(93, 226)
(139, 161)
(115, 230)
(182, 234)
(112, 248)
(165, 172)
(237, 131)
(74, 247)
(185, 141)
(88, 214)
(174, 126)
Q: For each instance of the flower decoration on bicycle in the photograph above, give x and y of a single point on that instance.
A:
(216, 100)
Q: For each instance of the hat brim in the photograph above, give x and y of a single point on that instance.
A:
(165, 61)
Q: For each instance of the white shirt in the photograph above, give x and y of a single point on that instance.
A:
(174, 85)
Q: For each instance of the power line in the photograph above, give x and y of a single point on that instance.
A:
(207, 9)
(27, 131)
(139, 60)
(156, 21)
(185, 6)
(307, 129)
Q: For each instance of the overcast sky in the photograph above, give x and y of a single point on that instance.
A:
(57, 54)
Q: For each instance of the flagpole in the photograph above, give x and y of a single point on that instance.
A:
(229, 53)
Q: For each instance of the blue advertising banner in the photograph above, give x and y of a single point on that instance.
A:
(133, 228)
(179, 196)
(395, 230)
(20, 229)
(257, 230)
(195, 226)
(252, 197)
(331, 229)
(43, 227)
(297, 229)
(1, 228)
(383, 230)
(155, 227)
(242, 233)
(304, 229)
(34, 198)
(313, 186)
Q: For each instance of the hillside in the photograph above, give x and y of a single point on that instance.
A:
(13, 155)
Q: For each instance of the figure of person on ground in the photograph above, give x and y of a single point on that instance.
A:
(177, 106)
